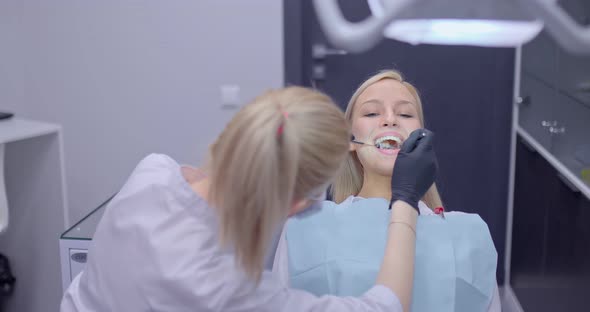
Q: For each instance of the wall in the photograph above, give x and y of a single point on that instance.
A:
(11, 58)
(128, 78)
(125, 79)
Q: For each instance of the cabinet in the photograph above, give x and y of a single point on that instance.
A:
(75, 242)
(35, 196)
(550, 254)
(550, 263)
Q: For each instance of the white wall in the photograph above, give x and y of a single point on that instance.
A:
(11, 58)
(128, 78)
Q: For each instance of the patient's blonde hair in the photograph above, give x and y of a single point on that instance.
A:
(350, 179)
(278, 149)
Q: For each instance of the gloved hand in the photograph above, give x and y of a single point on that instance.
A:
(415, 168)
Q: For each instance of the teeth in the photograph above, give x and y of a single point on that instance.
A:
(388, 137)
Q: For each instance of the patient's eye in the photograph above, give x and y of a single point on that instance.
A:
(370, 114)
(406, 115)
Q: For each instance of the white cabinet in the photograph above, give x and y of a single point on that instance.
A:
(34, 199)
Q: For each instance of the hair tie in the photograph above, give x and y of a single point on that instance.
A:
(281, 128)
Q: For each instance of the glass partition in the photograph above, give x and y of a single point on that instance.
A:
(555, 86)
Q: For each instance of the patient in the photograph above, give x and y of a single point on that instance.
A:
(337, 249)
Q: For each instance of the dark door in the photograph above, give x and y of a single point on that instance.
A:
(550, 265)
(467, 94)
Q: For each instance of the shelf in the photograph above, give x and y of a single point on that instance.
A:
(579, 99)
(16, 129)
(575, 181)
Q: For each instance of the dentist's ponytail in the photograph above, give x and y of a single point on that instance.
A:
(275, 152)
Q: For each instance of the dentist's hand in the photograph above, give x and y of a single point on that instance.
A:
(415, 168)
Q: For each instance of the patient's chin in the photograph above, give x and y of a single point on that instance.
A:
(377, 163)
(382, 167)
(387, 163)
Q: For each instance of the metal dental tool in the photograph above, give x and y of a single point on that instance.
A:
(353, 140)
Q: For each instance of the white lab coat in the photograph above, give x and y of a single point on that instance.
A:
(156, 249)
(280, 266)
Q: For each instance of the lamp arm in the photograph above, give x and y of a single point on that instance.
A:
(570, 35)
(355, 37)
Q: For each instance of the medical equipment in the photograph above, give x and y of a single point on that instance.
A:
(353, 140)
(488, 23)
(378, 144)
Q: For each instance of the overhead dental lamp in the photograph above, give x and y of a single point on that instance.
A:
(486, 23)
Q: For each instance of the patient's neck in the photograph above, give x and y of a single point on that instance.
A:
(375, 186)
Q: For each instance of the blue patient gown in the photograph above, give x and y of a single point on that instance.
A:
(338, 250)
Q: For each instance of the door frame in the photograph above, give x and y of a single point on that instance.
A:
(293, 42)
(512, 168)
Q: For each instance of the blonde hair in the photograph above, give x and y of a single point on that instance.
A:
(278, 149)
(350, 179)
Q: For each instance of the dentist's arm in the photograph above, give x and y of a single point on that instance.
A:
(397, 269)
(414, 172)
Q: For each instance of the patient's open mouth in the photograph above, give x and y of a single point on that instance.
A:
(388, 142)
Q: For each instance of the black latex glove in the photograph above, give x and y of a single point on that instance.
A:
(415, 168)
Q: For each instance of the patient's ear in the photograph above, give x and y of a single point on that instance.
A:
(298, 206)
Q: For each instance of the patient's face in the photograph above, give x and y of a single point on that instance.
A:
(385, 113)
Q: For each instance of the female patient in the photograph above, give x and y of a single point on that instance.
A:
(338, 249)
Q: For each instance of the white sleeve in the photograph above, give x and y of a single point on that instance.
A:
(377, 299)
(495, 305)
